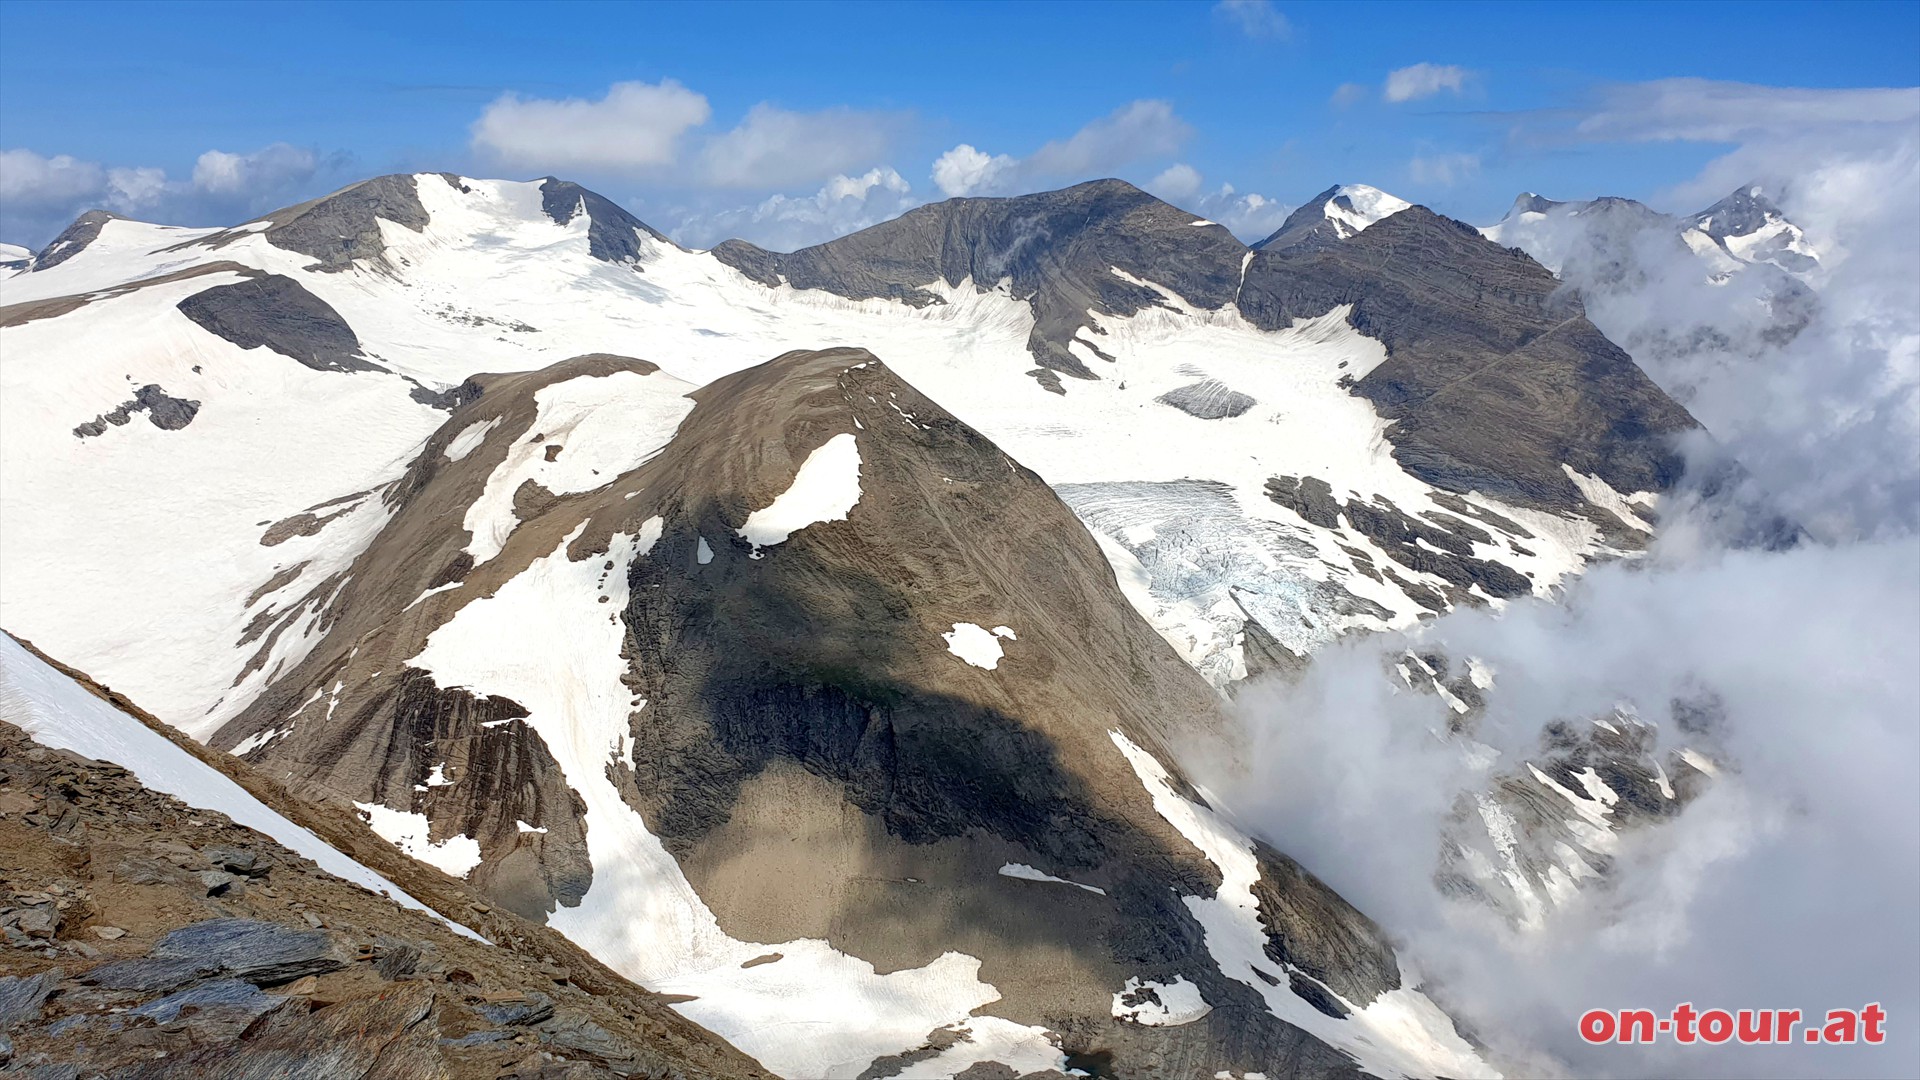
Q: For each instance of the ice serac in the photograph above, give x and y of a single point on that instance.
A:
(735, 777)
(1058, 251)
(1494, 379)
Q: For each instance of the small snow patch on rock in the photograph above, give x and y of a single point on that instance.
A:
(1160, 1004)
(975, 645)
(826, 488)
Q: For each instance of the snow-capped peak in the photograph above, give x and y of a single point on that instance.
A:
(1353, 207)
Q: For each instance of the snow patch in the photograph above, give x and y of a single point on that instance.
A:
(974, 645)
(457, 855)
(1160, 1004)
(470, 438)
(826, 488)
(1400, 1033)
(598, 428)
(1028, 873)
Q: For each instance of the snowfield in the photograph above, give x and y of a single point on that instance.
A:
(493, 284)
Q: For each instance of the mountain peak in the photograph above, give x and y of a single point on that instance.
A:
(1335, 214)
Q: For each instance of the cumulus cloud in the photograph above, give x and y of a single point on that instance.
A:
(27, 178)
(1143, 130)
(1443, 170)
(1807, 845)
(775, 147)
(1424, 80)
(221, 173)
(1139, 131)
(636, 126)
(1254, 18)
(1804, 847)
(965, 170)
(658, 131)
(1180, 181)
(785, 223)
(40, 195)
(1249, 215)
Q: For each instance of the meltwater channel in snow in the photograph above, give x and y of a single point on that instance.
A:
(60, 713)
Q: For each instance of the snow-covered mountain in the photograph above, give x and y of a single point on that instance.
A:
(1333, 215)
(601, 573)
(1599, 239)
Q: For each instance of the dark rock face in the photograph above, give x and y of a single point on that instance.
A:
(1310, 928)
(611, 234)
(449, 399)
(167, 413)
(1441, 545)
(73, 240)
(1209, 399)
(261, 953)
(1493, 377)
(1058, 248)
(279, 313)
(339, 228)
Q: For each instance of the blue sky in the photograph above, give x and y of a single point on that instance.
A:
(766, 104)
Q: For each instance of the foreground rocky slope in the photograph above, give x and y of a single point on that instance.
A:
(149, 937)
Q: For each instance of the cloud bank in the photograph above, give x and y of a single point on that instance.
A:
(40, 195)
(1791, 882)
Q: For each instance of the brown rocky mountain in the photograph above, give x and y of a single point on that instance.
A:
(794, 727)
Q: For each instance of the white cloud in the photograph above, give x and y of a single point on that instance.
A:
(775, 147)
(1350, 94)
(1254, 18)
(1250, 216)
(636, 127)
(964, 170)
(1703, 110)
(1139, 131)
(1829, 420)
(1809, 652)
(27, 178)
(785, 223)
(1443, 170)
(218, 172)
(1178, 182)
(658, 131)
(40, 195)
(1424, 80)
